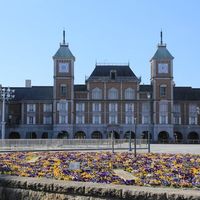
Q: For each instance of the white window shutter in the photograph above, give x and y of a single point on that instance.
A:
(28, 107)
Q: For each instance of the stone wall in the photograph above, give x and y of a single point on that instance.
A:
(22, 188)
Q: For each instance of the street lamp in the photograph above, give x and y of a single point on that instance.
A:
(5, 95)
(149, 98)
(130, 148)
(112, 141)
(135, 153)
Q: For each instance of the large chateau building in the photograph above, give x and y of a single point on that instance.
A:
(112, 99)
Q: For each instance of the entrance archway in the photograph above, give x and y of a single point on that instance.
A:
(178, 137)
(127, 135)
(193, 137)
(163, 137)
(96, 135)
(115, 134)
(80, 135)
(63, 135)
(14, 135)
(44, 135)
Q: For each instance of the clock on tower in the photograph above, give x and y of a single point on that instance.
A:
(163, 68)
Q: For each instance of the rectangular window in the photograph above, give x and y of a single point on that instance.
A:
(47, 107)
(112, 119)
(80, 119)
(63, 119)
(62, 106)
(163, 119)
(31, 120)
(112, 75)
(193, 120)
(163, 90)
(96, 119)
(47, 120)
(63, 89)
(163, 107)
(177, 120)
(129, 119)
(145, 107)
(80, 107)
(113, 107)
(96, 107)
(31, 107)
(129, 107)
(145, 119)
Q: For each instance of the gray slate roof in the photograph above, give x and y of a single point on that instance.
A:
(80, 88)
(104, 70)
(146, 88)
(33, 93)
(46, 92)
(162, 53)
(64, 53)
(186, 94)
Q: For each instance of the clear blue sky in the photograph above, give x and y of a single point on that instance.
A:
(112, 31)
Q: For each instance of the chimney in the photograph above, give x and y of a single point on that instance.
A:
(28, 83)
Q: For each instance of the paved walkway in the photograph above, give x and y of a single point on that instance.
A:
(176, 148)
(155, 148)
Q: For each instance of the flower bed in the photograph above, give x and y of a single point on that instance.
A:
(174, 170)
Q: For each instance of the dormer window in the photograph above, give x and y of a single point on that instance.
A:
(113, 74)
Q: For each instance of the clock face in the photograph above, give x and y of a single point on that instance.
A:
(63, 67)
(162, 68)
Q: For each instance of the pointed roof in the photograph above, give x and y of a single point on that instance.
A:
(162, 53)
(64, 51)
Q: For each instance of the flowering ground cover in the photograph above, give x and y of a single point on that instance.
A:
(174, 170)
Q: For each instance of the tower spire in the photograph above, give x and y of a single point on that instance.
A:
(64, 36)
(161, 39)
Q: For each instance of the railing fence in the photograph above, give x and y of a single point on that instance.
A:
(69, 144)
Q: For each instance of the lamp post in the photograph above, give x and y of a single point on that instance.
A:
(130, 148)
(5, 95)
(112, 141)
(149, 98)
(135, 148)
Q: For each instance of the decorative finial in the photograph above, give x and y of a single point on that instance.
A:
(161, 41)
(63, 36)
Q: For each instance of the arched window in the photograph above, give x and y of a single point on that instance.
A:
(96, 93)
(113, 93)
(129, 93)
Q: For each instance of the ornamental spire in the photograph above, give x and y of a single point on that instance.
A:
(161, 39)
(64, 36)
